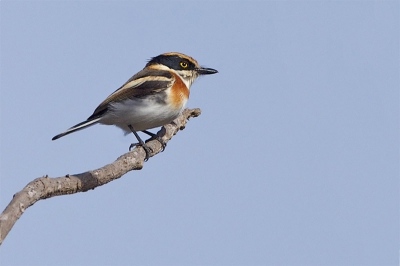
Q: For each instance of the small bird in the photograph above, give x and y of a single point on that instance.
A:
(151, 98)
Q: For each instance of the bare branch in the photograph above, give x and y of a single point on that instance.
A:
(46, 187)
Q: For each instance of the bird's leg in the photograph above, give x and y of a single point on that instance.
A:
(155, 136)
(141, 143)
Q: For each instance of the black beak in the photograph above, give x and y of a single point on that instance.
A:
(206, 71)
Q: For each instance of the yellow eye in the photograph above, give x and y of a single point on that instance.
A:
(183, 64)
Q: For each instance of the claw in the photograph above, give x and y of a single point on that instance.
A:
(155, 137)
(133, 145)
(148, 150)
(163, 144)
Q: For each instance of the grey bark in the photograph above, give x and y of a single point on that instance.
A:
(46, 187)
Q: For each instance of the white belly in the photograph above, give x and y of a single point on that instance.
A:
(141, 114)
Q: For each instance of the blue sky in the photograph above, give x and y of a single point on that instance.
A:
(294, 160)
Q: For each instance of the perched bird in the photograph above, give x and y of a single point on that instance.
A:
(152, 98)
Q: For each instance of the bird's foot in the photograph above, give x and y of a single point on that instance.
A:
(156, 137)
(148, 150)
(163, 144)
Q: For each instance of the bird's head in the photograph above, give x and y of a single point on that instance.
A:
(185, 66)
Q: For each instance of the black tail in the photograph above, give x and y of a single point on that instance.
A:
(77, 127)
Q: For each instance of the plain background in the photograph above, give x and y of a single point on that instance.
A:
(294, 160)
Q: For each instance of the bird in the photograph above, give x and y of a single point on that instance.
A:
(153, 97)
